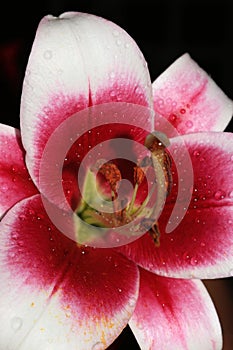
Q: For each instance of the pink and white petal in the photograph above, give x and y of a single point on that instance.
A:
(105, 136)
(174, 314)
(15, 182)
(187, 100)
(55, 295)
(201, 246)
(77, 60)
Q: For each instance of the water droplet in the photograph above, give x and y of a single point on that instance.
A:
(48, 54)
(231, 272)
(132, 302)
(31, 212)
(140, 326)
(230, 194)
(118, 42)
(202, 244)
(196, 153)
(182, 111)
(186, 256)
(189, 124)
(14, 169)
(98, 346)
(112, 93)
(160, 102)
(16, 323)
(4, 188)
(193, 261)
(119, 290)
(173, 117)
(219, 195)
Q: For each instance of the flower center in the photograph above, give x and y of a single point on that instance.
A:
(110, 211)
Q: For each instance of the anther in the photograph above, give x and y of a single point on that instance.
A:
(139, 175)
(152, 228)
(112, 175)
(156, 140)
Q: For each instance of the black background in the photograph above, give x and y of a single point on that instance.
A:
(164, 30)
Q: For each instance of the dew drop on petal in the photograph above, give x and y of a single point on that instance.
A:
(140, 326)
(4, 188)
(48, 54)
(196, 153)
(219, 195)
(112, 93)
(193, 261)
(31, 212)
(230, 194)
(172, 117)
(189, 124)
(132, 302)
(22, 217)
(16, 323)
(186, 256)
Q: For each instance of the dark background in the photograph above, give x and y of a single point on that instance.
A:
(164, 30)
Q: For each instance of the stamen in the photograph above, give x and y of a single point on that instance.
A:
(139, 175)
(153, 229)
(133, 198)
(157, 142)
(112, 174)
(155, 234)
(143, 205)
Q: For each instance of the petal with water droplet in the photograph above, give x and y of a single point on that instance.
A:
(196, 102)
(89, 53)
(202, 243)
(170, 313)
(52, 293)
(15, 182)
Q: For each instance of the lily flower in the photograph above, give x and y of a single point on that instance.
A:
(64, 292)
